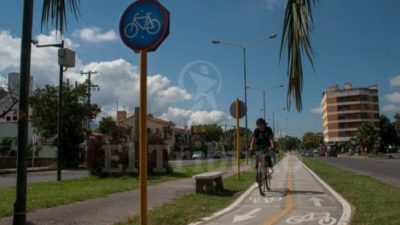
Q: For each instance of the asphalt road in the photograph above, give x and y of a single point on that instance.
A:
(9, 180)
(386, 170)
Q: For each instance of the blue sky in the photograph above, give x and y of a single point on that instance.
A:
(354, 42)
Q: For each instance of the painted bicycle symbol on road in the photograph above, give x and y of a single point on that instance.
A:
(144, 23)
(323, 218)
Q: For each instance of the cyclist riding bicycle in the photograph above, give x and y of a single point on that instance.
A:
(262, 140)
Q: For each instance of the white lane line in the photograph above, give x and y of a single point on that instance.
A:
(347, 209)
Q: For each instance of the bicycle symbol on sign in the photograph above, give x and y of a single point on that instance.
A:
(144, 23)
(323, 218)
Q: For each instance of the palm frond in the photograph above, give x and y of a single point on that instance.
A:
(297, 25)
(54, 11)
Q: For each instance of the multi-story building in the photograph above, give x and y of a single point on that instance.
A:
(344, 110)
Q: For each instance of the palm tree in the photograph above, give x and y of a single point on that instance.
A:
(297, 26)
(366, 136)
(54, 11)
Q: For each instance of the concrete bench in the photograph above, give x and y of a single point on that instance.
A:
(209, 183)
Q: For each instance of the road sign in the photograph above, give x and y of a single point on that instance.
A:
(144, 25)
(242, 109)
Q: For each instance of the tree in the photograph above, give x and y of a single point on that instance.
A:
(297, 26)
(388, 132)
(106, 124)
(212, 132)
(311, 140)
(396, 124)
(75, 112)
(366, 136)
(288, 143)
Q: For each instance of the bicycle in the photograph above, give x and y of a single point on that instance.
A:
(264, 164)
(150, 25)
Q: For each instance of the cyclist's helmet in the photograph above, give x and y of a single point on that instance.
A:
(260, 121)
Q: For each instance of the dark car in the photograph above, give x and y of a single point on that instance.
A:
(332, 153)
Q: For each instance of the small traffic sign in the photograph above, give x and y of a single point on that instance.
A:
(144, 25)
(242, 109)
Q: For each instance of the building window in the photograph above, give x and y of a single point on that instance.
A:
(15, 118)
(8, 118)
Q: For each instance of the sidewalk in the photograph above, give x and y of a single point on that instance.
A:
(114, 208)
(29, 169)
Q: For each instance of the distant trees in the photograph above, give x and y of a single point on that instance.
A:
(288, 143)
(311, 140)
(366, 136)
(75, 111)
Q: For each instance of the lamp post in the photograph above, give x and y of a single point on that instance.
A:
(264, 94)
(244, 50)
(59, 116)
(66, 59)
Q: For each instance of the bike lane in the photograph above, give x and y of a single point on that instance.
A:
(296, 197)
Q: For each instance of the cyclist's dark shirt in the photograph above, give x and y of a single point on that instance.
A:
(262, 138)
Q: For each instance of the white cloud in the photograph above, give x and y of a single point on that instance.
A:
(272, 4)
(316, 110)
(95, 34)
(190, 117)
(118, 79)
(393, 97)
(390, 108)
(9, 54)
(395, 81)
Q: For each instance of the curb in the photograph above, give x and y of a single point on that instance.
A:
(347, 208)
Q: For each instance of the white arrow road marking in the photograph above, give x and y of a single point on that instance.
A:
(246, 216)
(316, 201)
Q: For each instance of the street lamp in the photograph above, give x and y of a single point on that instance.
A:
(244, 49)
(264, 93)
(66, 58)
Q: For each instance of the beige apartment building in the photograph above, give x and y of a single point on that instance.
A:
(344, 110)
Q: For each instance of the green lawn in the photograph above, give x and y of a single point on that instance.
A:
(193, 207)
(50, 194)
(376, 202)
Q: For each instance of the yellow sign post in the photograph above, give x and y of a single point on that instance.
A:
(143, 137)
(238, 136)
(141, 40)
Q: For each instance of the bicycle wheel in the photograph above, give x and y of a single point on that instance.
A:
(131, 30)
(261, 178)
(268, 179)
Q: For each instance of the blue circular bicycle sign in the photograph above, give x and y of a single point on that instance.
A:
(144, 25)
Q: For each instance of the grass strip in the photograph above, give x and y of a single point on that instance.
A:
(193, 207)
(50, 194)
(376, 202)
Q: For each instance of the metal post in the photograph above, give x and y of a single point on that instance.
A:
(25, 72)
(60, 127)
(265, 112)
(245, 102)
(273, 121)
(238, 136)
(143, 137)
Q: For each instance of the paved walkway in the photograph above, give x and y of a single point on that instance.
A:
(297, 197)
(114, 208)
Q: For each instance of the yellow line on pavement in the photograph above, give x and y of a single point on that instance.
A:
(289, 199)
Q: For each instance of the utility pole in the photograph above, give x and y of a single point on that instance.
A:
(25, 72)
(89, 73)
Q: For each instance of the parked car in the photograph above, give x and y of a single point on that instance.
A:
(217, 155)
(332, 153)
(198, 155)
